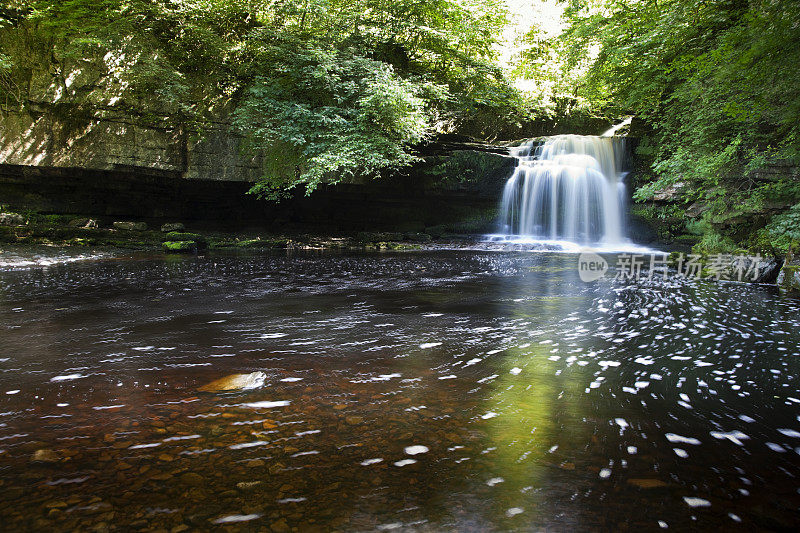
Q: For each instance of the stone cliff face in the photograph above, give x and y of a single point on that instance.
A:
(110, 167)
(64, 137)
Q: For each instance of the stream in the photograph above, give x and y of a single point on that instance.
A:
(468, 390)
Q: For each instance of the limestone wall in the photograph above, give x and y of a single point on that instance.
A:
(67, 139)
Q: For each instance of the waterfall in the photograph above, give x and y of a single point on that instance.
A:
(567, 188)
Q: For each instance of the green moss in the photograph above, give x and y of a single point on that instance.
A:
(668, 221)
(181, 247)
(686, 239)
(789, 278)
(7, 234)
(714, 243)
(184, 236)
(263, 243)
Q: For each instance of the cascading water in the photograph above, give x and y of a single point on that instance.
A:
(567, 188)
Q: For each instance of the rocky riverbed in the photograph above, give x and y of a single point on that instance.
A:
(424, 391)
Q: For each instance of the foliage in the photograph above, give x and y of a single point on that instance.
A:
(323, 90)
(715, 85)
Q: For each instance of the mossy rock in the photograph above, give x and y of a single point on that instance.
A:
(418, 237)
(172, 227)
(180, 247)
(11, 219)
(7, 235)
(184, 236)
(177, 236)
(263, 243)
(130, 226)
(789, 276)
(373, 236)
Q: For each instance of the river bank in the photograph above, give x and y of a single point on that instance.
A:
(69, 231)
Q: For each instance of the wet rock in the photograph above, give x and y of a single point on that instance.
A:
(192, 479)
(280, 526)
(11, 219)
(57, 504)
(418, 237)
(236, 382)
(185, 236)
(130, 226)
(247, 485)
(180, 247)
(276, 243)
(45, 455)
(83, 222)
(172, 226)
(670, 193)
(753, 269)
(696, 209)
(789, 276)
(372, 236)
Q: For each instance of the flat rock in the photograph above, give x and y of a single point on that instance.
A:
(172, 226)
(11, 219)
(193, 479)
(46, 456)
(236, 382)
(130, 226)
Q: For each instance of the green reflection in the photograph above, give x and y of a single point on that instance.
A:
(539, 402)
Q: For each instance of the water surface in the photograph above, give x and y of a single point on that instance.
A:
(425, 391)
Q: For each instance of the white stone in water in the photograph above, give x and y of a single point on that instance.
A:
(416, 450)
(696, 502)
(69, 377)
(494, 481)
(735, 437)
(404, 462)
(236, 382)
(605, 473)
(267, 405)
(514, 511)
(236, 518)
(672, 437)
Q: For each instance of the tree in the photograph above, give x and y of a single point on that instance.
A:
(325, 89)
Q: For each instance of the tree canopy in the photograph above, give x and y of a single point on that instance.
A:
(326, 89)
(716, 86)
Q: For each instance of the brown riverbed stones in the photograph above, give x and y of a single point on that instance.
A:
(235, 382)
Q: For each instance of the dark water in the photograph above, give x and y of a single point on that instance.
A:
(429, 391)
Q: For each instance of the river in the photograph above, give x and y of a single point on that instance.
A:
(469, 390)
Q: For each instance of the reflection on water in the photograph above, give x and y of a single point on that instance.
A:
(462, 390)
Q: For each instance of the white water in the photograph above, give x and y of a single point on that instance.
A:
(568, 189)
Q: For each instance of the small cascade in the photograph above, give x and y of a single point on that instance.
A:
(567, 188)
